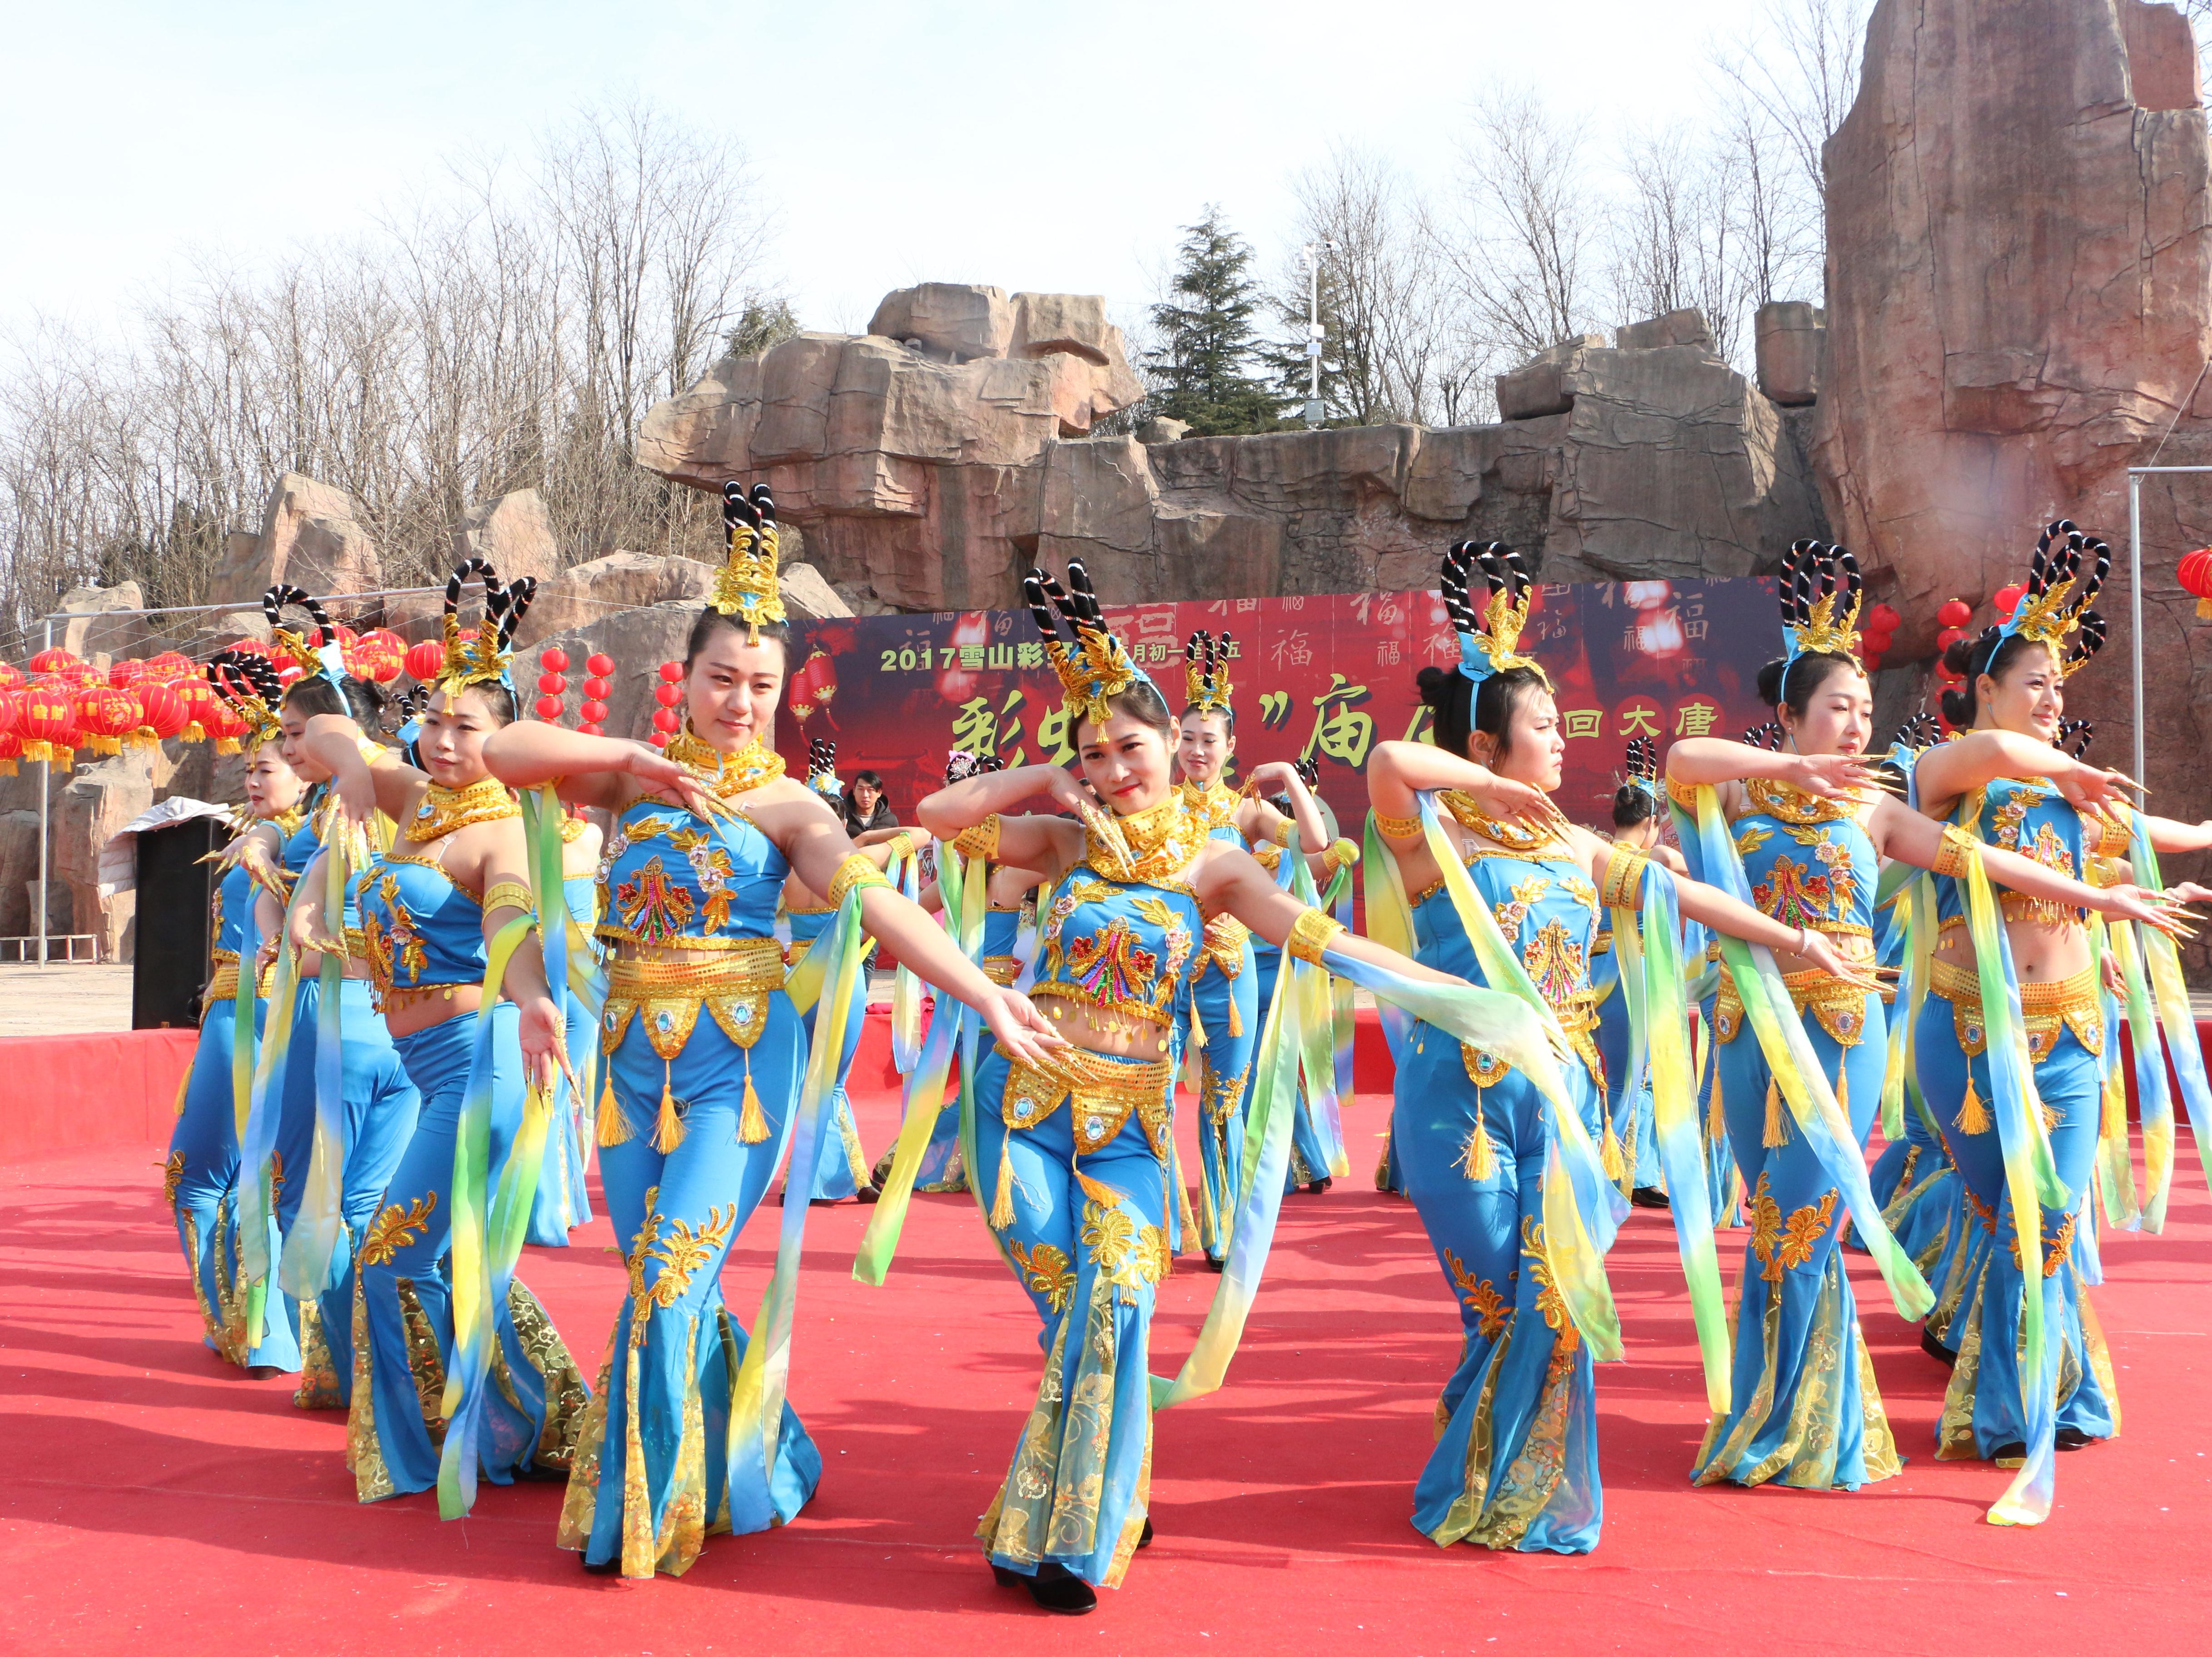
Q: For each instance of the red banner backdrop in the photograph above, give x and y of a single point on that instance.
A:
(1328, 676)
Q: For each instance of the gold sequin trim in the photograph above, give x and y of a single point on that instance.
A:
(1311, 934)
(2072, 1003)
(858, 871)
(735, 991)
(982, 840)
(1104, 1093)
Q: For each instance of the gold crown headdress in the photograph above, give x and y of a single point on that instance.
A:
(1821, 593)
(746, 587)
(304, 649)
(251, 687)
(484, 659)
(1205, 673)
(1487, 641)
(1092, 666)
(2059, 596)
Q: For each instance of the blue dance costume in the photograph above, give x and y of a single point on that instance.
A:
(1514, 1466)
(2066, 1034)
(1226, 1001)
(705, 1054)
(200, 1178)
(1806, 1411)
(423, 937)
(1077, 1163)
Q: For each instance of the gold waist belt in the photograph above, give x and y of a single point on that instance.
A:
(222, 986)
(392, 999)
(733, 986)
(1225, 938)
(2073, 1004)
(2018, 906)
(1840, 1006)
(1001, 970)
(1104, 1093)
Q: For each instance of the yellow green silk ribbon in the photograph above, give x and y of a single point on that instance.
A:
(2171, 994)
(1794, 1067)
(1649, 949)
(311, 1246)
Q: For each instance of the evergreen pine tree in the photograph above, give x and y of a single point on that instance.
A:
(1208, 370)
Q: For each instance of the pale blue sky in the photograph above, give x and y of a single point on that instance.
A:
(1051, 147)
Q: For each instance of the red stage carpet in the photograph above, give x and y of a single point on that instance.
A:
(150, 1502)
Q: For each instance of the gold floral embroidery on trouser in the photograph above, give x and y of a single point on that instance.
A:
(172, 1175)
(319, 1387)
(1783, 1244)
(372, 1479)
(1046, 1270)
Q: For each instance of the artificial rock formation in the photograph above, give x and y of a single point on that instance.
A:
(929, 462)
(313, 535)
(2019, 303)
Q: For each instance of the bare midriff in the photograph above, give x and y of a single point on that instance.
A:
(2042, 950)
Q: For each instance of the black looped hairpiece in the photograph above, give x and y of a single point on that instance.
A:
(1920, 731)
(737, 509)
(1451, 581)
(2075, 736)
(1642, 762)
(1308, 770)
(281, 597)
(2091, 632)
(1033, 593)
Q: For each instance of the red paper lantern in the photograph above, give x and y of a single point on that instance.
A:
(160, 713)
(554, 660)
(1877, 642)
(665, 720)
(553, 685)
(11, 749)
(671, 673)
(549, 707)
(659, 739)
(1949, 636)
(1883, 619)
(597, 687)
(593, 712)
(12, 676)
(2195, 574)
(171, 667)
(250, 647)
(378, 656)
(2007, 599)
(200, 700)
(224, 723)
(47, 723)
(55, 662)
(1954, 613)
(106, 715)
(600, 665)
(426, 660)
(125, 674)
(593, 727)
(668, 695)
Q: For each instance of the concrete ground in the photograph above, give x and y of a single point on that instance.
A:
(60, 1001)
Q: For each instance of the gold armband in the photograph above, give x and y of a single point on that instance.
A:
(1341, 854)
(857, 871)
(1313, 932)
(1954, 857)
(1398, 828)
(509, 894)
(1623, 886)
(902, 845)
(980, 841)
(1683, 795)
(1282, 832)
(1268, 855)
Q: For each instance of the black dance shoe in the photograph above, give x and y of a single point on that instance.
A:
(605, 1567)
(1935, 1350)
(1213, 1264)
(1648, 1196)
(2073, 1438)
(1057, 1589)
(1145, 1539)
(1315, 1187)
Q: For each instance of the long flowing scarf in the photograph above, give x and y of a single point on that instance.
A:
(258, 1241)
(964, 885)
(1649, 948)
(825, 980)
(1324, 1048)
(1791, 1059)
(2154, 1103)
(311, 1246)
(2172, 996)
(906, 986)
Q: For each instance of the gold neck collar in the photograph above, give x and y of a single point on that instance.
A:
(727, 774)
(444, 810)
(287, 821)
(1160, 841)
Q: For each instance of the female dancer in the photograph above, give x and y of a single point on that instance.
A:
(201, 1179)
(563, 1201)
(1226, 995)
(1078, 1197)
(1631, 1147)
(340, 1151)
(688, 1433)
(2004, 786)
(1810, 828)
(430, 906)
(1515, 1462)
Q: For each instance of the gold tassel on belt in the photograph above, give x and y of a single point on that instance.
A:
(1973, 1115)
(1608, 1153)
(1476, 1155)
(1776, 1134)
(613, 1125)
(668, 1132)
(752, 1121)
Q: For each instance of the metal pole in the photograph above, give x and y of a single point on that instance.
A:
(1313, 324)
(45, 788)
(2135, 608)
